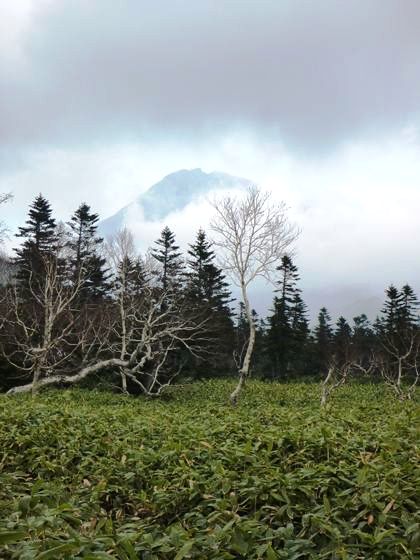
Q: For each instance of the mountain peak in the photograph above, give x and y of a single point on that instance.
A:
(173, 193)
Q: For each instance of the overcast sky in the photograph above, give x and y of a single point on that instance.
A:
(318, 101)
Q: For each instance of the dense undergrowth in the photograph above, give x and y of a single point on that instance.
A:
(95, 475)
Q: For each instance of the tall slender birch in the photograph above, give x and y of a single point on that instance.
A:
(252, 233)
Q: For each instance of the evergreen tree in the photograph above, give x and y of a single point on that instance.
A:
(39, 242)
(85, 247)
(399, 321)
(168, 255)
(391, 312)
(364, 340)
(409, 308)
(209, 294)
(323, 339)
(130, 278)
(205, 281)
(342, 341)
(287, 324)
(40, 229)
(300, 334)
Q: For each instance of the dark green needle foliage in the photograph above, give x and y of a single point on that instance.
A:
(208, 291)
(86, 259)
(39, 241)
(287, 325)
(167, 253)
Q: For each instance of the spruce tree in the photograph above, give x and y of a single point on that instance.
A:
(342, 340)
(391, 311)
(39, 242)
(205, 281)
(86, 259)
(287, 323)
(130, 278)
(208, 292)
(323, 339)
(168, 255)
(300, 334)
(364, 340)
(409, 308)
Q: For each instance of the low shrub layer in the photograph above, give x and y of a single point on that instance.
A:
(94, 475)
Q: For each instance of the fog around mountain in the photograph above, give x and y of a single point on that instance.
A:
(172, 194)
(181, 200)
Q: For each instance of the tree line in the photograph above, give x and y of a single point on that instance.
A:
(77, 308)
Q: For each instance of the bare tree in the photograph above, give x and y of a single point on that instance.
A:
(132, 335)
(253, 234)
(120, 251)
(143, 352)
(339, 372)
(40, 337)
(398, 361)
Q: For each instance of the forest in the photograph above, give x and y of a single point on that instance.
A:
(148, 414)
(78, 308)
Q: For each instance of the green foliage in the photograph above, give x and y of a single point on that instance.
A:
(167, 254)
(288, 325)
(85, 247)
(94, 475)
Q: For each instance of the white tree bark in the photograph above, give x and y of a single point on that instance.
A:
(134, 335)
(252, 234)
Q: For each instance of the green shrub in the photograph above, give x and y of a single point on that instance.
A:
(94, 475)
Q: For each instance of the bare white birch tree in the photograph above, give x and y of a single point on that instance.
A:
(133, 335)
(338, 374)
(142, 353)
(42, 335)
(398, 362)
(252, 234)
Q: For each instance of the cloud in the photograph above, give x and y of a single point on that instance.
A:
(313, 75)
(316, 101)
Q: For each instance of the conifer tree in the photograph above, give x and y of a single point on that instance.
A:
(168, 255)
(409, 308)
(323, 339)
(391, 312)
(287, 324)
(209, 293)
(300, 334)
(364, 340)
(39, 242)
(342, 341)
(205, 281)
(85, 247)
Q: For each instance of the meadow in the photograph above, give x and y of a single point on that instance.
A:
(95, 475)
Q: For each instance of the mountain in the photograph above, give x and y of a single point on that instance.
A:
(173, 193)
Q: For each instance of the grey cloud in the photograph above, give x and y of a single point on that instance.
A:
(314, 73)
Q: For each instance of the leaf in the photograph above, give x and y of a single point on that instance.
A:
(389, 506)
(238, 543)
(184, 550)
(8, 537)
(55, 552)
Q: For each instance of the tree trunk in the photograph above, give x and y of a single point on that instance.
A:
(244, 370)
(35, 380)
(69, 379)
(124, 382)
(325, 390)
